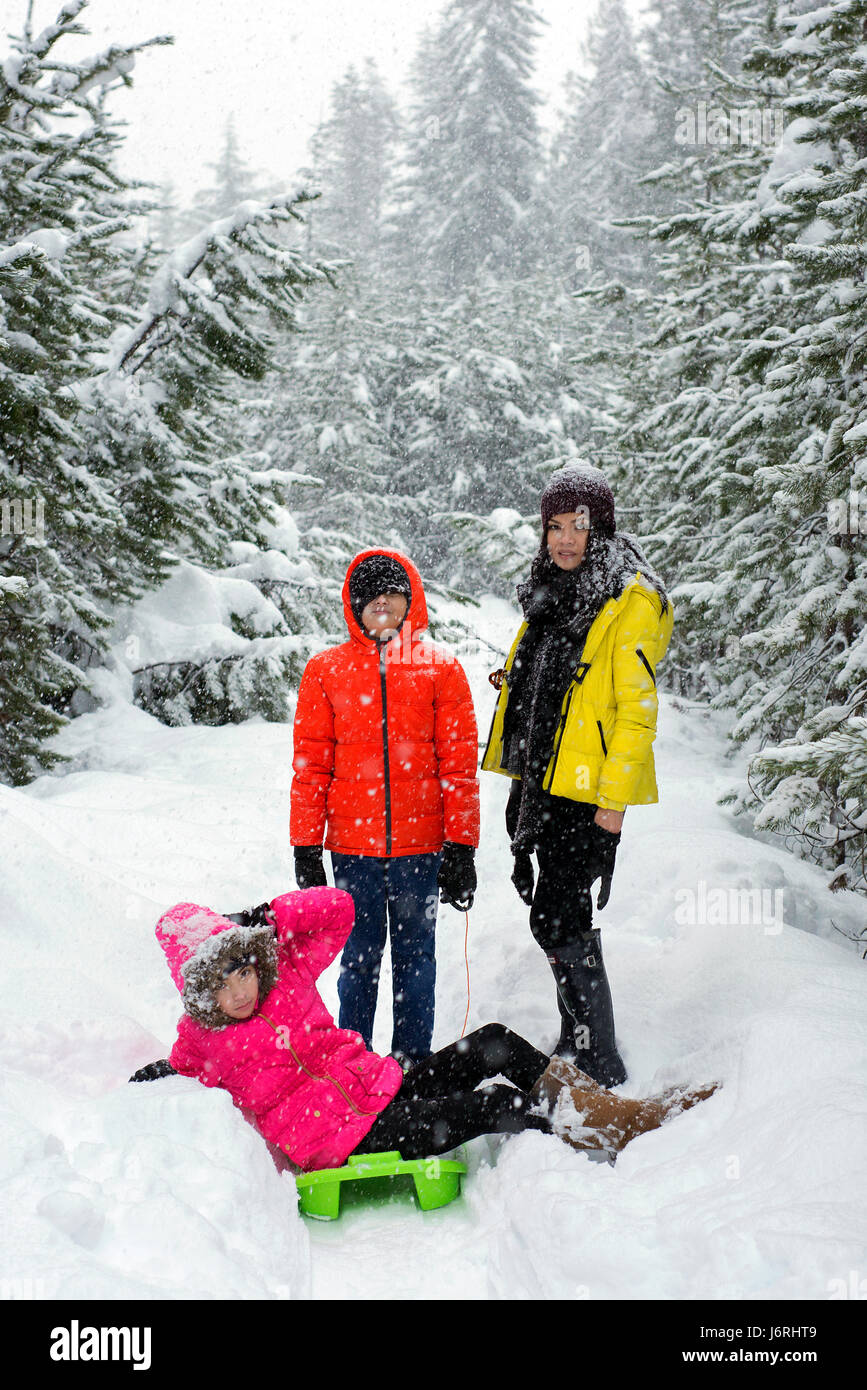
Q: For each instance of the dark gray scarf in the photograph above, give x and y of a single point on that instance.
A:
(559, 607)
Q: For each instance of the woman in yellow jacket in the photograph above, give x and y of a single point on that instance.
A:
(574, 728)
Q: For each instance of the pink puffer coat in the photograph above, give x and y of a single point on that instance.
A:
(314, 1088)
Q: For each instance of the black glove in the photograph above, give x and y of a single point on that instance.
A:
(154, 1071)
(456, 879)
(309, 869)
(522, 876)
(252, 916)
(513, 807)
(600, 859)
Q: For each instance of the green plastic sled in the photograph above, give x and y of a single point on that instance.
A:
(437, 1181)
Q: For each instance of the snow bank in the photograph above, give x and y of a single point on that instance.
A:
(144, 1192)
(164, 1190)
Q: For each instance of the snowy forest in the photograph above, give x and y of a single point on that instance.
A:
(222, 402)
(212, 399)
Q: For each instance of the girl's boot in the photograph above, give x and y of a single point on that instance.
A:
(560, 1075)
(593, 1119)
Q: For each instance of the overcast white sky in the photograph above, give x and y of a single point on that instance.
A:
(270, 62)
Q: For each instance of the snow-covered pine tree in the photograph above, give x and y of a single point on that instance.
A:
(61, 270)
(215, 312)
(353, 153)
(701, 312)
(758, 436)
(598, 154)
(117, 414)
(473, 148)
(809, 780)
(694, 50)
(422, 150)
(234, 182)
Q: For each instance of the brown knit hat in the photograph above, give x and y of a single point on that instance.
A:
(580, 485)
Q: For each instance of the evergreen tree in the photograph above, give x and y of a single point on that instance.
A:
(810, 465)
(115, 413)
(696, 50)
(598, 155)
(353, 153)
(234, 182)
(61, 207)
(473, 147)
(755, 442)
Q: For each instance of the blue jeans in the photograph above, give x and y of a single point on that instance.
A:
(401, 894)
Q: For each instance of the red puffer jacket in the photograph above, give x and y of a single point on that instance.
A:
(386, 745)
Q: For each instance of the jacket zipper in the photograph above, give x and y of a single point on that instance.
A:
(314, 1077)
(602, 736)
(559, 739)
(385, 750)
(639, 653)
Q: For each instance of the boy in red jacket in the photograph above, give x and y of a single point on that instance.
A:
(386, 750)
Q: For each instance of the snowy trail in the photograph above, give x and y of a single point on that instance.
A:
(164, 1191)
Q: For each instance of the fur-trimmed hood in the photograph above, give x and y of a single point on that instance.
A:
(201, 947)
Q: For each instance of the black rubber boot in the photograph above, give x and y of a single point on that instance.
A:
(583, 988)
(565, 1044)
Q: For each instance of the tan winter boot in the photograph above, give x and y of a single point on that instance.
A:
(558, 1074)
(677, 1098)
(593, 1119)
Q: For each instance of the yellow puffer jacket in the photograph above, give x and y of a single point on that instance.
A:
(603, 747)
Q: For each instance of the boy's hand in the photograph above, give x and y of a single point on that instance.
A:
(309, 869)
(456, 879)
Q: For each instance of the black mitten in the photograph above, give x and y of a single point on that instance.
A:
(456, 879)
(252, 916)
(309, 869)
(154, 1071)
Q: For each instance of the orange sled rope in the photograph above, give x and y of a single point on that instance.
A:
(467, 961)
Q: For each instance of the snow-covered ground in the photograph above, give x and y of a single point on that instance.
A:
(163, 1191)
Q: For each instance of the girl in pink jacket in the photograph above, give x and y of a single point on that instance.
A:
(254, 1024)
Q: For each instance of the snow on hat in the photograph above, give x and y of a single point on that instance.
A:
(375, 575)
(202, 947)
(577, 485)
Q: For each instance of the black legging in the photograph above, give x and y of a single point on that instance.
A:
(562, 910)
(438, 1107)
